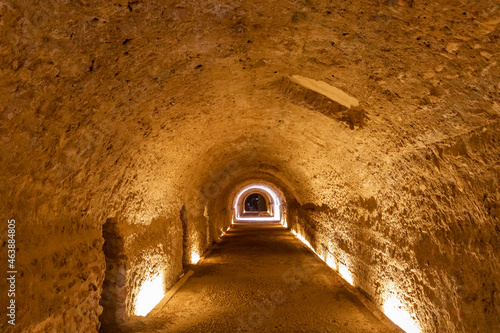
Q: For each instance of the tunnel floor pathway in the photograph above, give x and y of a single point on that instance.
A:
(260, 278)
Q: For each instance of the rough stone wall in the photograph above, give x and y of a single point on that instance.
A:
(114, 286)
(151, 250)
(429, 233)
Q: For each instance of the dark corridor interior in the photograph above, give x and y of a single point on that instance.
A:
(255, 202)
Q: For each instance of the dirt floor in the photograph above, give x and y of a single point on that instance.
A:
(260, 278)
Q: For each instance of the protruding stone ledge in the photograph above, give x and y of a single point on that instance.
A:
(325, 98)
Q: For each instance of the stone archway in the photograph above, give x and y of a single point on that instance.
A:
(256, 202)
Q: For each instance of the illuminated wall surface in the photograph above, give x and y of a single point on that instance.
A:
(376, 123)
(150, 294)
(392, 307)
(272, 199)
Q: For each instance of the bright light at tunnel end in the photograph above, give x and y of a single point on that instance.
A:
(276, 203)
(150, 294)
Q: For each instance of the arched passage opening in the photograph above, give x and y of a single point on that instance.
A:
(256, 202)
(259, 201)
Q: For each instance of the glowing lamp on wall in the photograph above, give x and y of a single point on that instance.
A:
(344, 272)
(150, 294)
(283, 222)
(330, 260)
(394, 309)
(195, 257)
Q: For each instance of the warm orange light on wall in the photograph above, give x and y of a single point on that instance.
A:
(195, 257)
(346, 274)
(330, 260)
(399, 314)
(150, 294)
(393, 308)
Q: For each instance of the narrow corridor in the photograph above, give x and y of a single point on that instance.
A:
(260, 278)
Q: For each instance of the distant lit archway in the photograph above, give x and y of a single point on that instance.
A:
(257, 202)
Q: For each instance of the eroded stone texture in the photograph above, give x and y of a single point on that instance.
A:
(114, 287)
(424, 234)
(134, 110)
